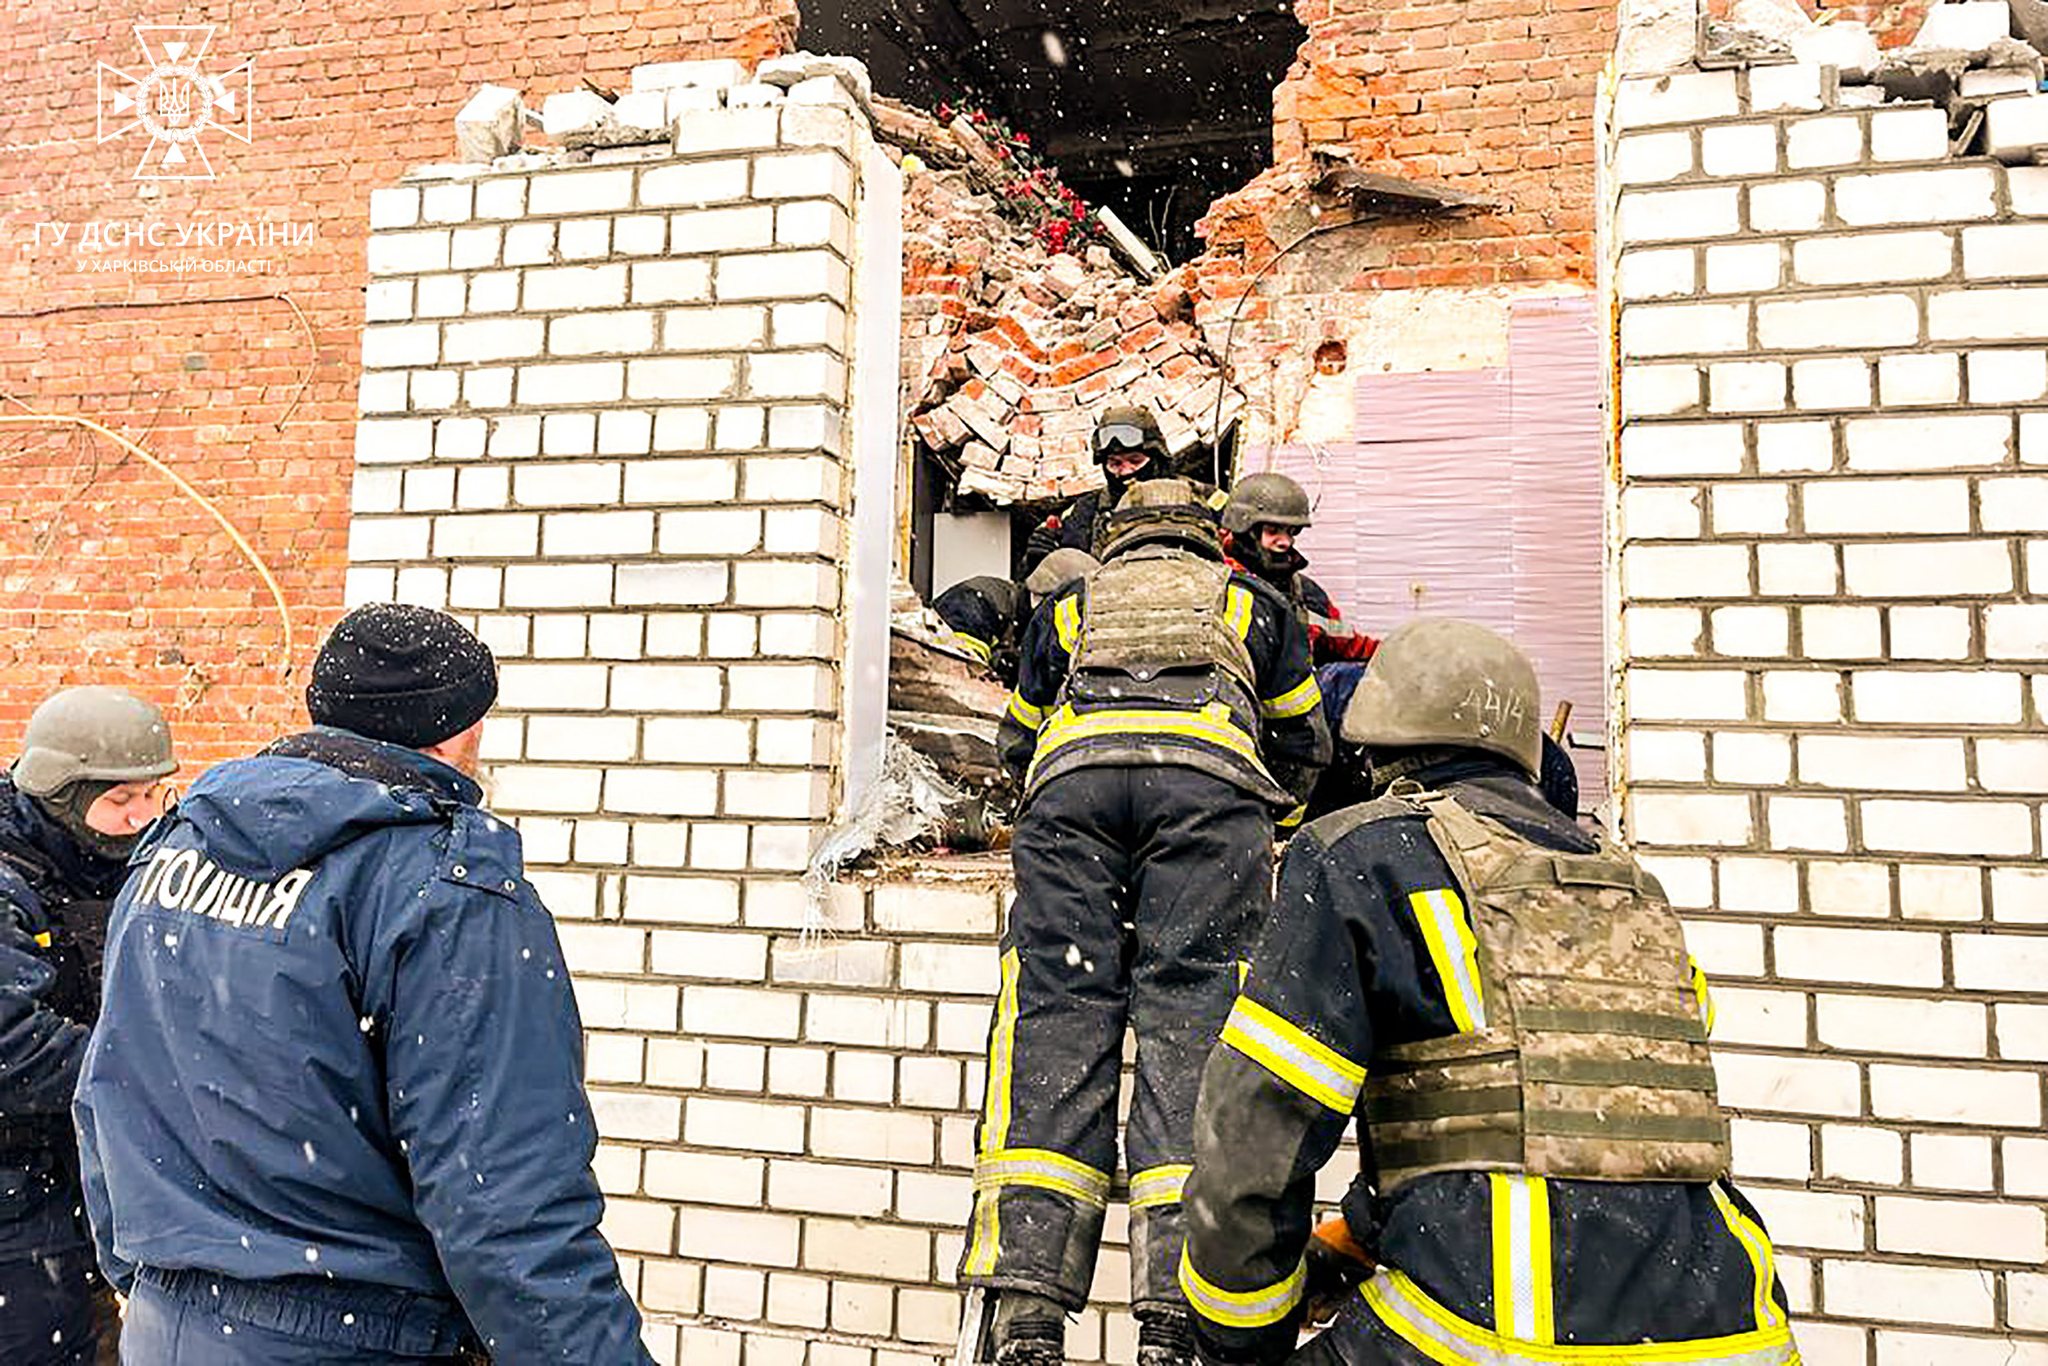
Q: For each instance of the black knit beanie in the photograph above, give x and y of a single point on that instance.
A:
(407, 675)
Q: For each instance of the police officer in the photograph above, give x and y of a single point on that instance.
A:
(988, 615)
(1128, 447)
(333, 1110)
(1265, 514)
(1508, 1007)
(1164, 712)
(89, 779)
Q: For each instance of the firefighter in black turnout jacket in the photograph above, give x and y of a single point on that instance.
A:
(88, 780)
(1164, 713)
(1507, 1007)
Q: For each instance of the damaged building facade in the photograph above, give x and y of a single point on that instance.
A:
(652, 415)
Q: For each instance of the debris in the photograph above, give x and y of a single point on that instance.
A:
(585, 119)
(1657, 36)
(2030, 21)
(1727, 45)
(488, 127)
(2016, 130)
(756, 95)
(1375, 195)
(1999, 81)
(798, 67)
(1136, 252)
(1963, 26)
(1847, 45)
(1932, 76)
(1782, 20)
(572, 111)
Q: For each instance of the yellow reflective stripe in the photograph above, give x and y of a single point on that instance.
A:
(1310, 1066)
(1454, 950)
(1523, 1294)
(1241, 1308)
(1701, 993)
(1237, 609)
(1212, 723)
(1159, 1185)
(1066, 620)
(1408, 1311)
(1218, 501)
(995, 1117)
(1024, 714)
(1299, 700)
(1292, 818)
(1757, 1244)
(974, 645)
(42, 938)
(1042, 1168)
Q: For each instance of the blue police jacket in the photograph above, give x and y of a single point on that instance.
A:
(338, 1041)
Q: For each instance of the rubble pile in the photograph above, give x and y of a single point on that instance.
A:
(1981, 60)
(1013, 344)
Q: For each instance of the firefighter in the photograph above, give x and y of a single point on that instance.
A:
(988, 615)
(1508, 1007)
(89, 779)
(1265, 514)
(1128, 447)
(1164, 713)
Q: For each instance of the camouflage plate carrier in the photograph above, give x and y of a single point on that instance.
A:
(1588, 1056)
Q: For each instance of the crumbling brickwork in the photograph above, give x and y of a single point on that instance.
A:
(1833, 379)
(108, 574)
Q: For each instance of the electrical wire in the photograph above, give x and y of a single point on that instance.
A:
(312, 341)
(1230, 335)
(206, 504)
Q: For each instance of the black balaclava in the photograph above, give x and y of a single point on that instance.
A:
(1275, 567)
(67, 807)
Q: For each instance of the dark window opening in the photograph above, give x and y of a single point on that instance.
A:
(1154, 111)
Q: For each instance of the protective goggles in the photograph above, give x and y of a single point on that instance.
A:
(1121, 436)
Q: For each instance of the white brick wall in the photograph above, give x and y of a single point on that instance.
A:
(1829, 653)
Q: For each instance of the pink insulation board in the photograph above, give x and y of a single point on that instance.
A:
(1478, 493)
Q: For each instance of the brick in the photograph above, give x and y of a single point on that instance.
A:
(1682, 98)
(1936, 697)
(1671, 215)
(1789, 1085)
(1818, 823)
(832, 1245)
(1955, 1095)
(1853, 1153)
(671, 282)
(660, 792)
(2003, 313)
(1885, 506)
(1787, 206)
(1869, 320)
(1768, 1019)
(709, 955)
(1812, 1219)
(2013, 765)
(1905, 381)
(1793, 87)
(1902, 1292)
(2008, 376)
(829, 1188)
(1909, 135)
(1668, 450)
(1834, 141)
(1659, 390)
(844, 963)
(1751, 509)
(485, 536)
(681, 482)
(1653, 513)
(1968, 828)
(1941, 892)
(1883, 762)
(1686, 695)
(639, 1226)
(1744, 267)
(1999, 962)
(1666, 756)
(934, 910)
(630, 1114)
(1670, 571)
(2011, 251)
(1935, 442)
(1797, 570)
(1684, 329)
(746, 228)
(1917, 196)
(1746, 387)
(872, 1135)
(1952, 1161)
(1661, 631)
(1888, 1024)
(867, 1021)
(1790, 696)
(713, 329)
(1930, 632)
(589, 382)
(1760, 760)
(1791, 447)
(587, 334)
(1739, 149)
(1645, 158)
(1690, 818)
(693, 183)
(804, 175)
(681, 378)
(1754, 632)
(409, 253)
(1910, 569)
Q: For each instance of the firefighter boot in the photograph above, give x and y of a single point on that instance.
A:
(1165, 1338)
(1030, 1331)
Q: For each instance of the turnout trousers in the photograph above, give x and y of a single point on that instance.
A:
(1138, 890)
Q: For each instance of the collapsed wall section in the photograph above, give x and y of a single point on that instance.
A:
(1833, 471)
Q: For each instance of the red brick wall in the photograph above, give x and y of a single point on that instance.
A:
(107, 574)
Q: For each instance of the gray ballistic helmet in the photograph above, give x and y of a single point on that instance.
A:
(1443, 682)
(1127, 429)
(1158, 511)
(1059, 569)
(96, 734)
(1271, 499)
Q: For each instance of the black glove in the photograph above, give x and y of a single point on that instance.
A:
(1043, 540)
